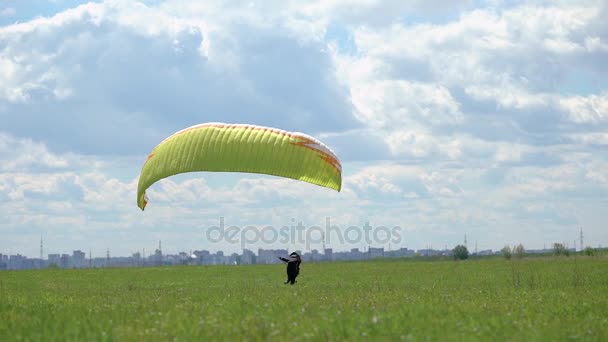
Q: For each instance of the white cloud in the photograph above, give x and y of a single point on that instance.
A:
(595, 44)
(595, 172)
(498, 56)
(24, 154)
(21, 185)
(591, 138)
(405, 182)
(412, 144)
(398, 103)
(586, 109)
(194, 70)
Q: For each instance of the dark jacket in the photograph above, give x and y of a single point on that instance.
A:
(293, 267)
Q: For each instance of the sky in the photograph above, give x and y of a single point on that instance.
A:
(450, 117)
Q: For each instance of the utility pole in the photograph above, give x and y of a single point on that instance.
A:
(90, 259)
(465, 240)
(160, 253)
(582, 246)
(323, 235)
(41, 253)
(108, 257)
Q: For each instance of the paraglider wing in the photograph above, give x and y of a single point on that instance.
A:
(223, 147)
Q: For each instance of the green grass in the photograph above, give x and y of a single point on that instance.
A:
(531, 299)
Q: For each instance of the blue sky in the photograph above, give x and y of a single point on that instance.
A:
(485, 118)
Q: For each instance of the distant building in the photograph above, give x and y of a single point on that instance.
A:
(376, 252)
(78, 259)
(15, 262)
(220, 259)
(136, 259)
(328, 254)
(355, 254)
(202, 257)
(158, 257)
(248, 257)
(54, 259)
(64, 261)
(400, 253)
(428, 252)
(184, 258)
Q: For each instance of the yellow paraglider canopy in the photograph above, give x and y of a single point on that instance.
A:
(223, 147)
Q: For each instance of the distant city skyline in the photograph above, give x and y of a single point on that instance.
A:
(78, 258)
(101, 252)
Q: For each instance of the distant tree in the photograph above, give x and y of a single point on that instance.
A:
(506, 252)
(519, 251)
(560, 249)
(589, 251)
(460, 252)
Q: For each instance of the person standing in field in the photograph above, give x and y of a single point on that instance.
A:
(293, 267)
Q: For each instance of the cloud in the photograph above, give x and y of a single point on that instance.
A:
(83, 69)
(586, 109)
(389, 103)
(24, 154)
(517, 61)
(405, 182)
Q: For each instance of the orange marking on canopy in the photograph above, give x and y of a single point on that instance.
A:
(328, 158)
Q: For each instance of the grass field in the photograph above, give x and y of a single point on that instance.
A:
(538, 299)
